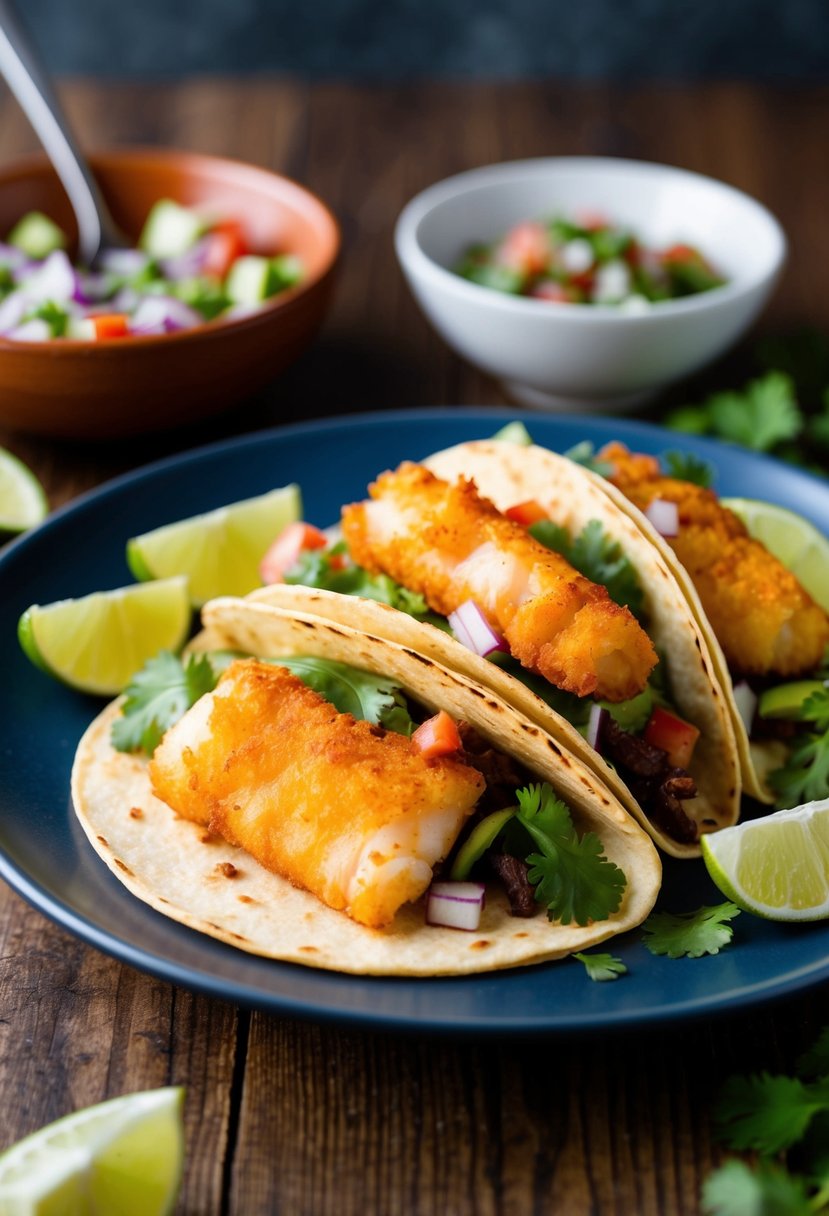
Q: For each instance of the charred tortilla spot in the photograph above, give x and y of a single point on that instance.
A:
(531, 730)
(136, 812)
(238, 937)
(518, 935)
(421, 658)
(309, 950)
(226, 868)
(247, 899)
(122, 865)
(553, 746)
(481, 944)
(103, 840)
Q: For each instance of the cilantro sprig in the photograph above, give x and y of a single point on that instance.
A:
(157, 696)
(364, 695)
(602, 967)
(333, 570)
(784, 1120)
(690, 934)
(762, 415)
(598, 557)
(571, 875)
(805, 775)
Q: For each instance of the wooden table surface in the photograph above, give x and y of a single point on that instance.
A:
(287, 1117)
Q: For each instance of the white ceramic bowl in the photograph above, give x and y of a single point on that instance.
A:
(579, 355)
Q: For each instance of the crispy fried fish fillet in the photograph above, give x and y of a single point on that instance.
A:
(451, 545)
(346, 810)
(765, 621)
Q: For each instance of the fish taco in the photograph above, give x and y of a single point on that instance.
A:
(767, 635)
(335, 799)
(488, 542)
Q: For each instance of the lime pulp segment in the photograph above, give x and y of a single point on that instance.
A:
(98, 642)
(219, 551)
(121, 1156)
(795, 541)
(22, 500)
(776, 866)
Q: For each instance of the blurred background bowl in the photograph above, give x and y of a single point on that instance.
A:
(553, 355)
(127, 386)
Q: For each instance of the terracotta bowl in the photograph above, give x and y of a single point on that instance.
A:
(128, 386)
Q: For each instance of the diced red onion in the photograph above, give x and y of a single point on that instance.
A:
(595, 725)
(745, 698)
(456, 905)
(664, 516)
(36, 330)
(12, 257)
(55, 280)
(91, 288)
(474, 631)
(122, 262)
(12, 309)
(163, 314)
(187, 265)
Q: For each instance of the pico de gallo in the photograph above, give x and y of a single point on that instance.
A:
(589, 260)
(188, 268)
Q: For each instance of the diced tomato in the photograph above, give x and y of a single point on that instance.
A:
(680, 253)
(224, 244)
(592, 221)
(674, 736)
(527, 513)
(287, 547)
(110, 325)
(526, 248)
(437, 736)
(556, 293)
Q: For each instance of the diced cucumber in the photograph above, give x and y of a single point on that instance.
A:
(36, 235)
(514, 432)
(252, 279)
(787, 700)
(82, 329)
(478, 841)
(170, 229)
(633, 714)
(207, 296)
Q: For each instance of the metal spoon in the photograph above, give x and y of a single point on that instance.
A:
(27, 79)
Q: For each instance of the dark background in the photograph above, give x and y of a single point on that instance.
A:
(774, 40)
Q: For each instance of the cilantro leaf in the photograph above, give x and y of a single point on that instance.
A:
(685, 466)
(767, 1113)
(584, 453)
(364, 695)
(157, 696)
(736, 1190)
(690, 934)
(601, 967)
(332, 570)
(598, 557)
(759, 416)
(570, 875)
(815, 1061)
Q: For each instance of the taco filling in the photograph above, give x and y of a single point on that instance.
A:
(772, 634)
(365, 815)
(563, 614)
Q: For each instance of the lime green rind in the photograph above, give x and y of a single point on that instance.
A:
(23, 502)
(125, 1155)
(97, 643)
(755, 863)
(218, 551)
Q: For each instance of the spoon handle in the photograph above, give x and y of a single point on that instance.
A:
(28, 81)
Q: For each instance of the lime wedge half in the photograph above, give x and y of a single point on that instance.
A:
(795, 541)
(98, 643)
(220, 551)
(121, 1156)
(22, 500)
(776, 867)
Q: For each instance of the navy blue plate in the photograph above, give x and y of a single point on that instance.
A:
(45, 857)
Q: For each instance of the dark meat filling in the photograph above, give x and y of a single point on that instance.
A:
(513, 874)
(658, 787)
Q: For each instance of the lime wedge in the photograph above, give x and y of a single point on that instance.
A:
(98, 643)
(219, 552)
(22, 501)
(776, 867)
(795, 541)
(121, 1156)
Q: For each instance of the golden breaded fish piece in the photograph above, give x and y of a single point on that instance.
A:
(349, 811)
(448, 543)
(765, 621)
